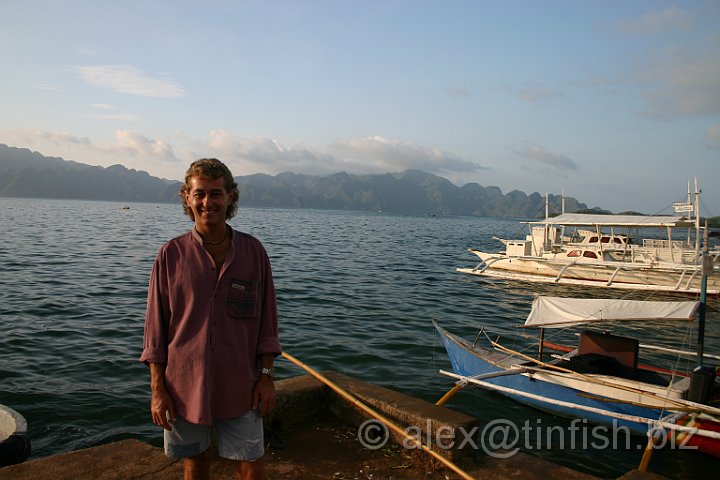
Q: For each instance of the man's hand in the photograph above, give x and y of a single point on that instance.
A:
(264, 395)
(162, 406)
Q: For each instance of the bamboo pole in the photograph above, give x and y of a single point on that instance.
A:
(378, 416)
(590, 379)
(688, 409)
(484, 376)
(575, 406)
(450, 393)
(647, 454)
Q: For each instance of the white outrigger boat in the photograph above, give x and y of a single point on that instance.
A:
(598, 250)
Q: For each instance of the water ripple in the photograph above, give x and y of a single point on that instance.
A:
(356, 294)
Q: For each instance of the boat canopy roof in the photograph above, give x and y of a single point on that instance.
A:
(586, 219)
(556, 312)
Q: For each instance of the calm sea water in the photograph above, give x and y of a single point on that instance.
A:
(356, 293)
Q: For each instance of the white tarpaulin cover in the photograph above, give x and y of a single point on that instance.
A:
(555, 312)
(584, 219)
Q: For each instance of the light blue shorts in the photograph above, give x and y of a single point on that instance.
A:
(239, 438)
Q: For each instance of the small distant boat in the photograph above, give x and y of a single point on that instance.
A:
(602, 379)
(599, 251)
(14, 441)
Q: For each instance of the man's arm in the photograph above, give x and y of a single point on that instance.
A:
(162, 407)
(264, 392)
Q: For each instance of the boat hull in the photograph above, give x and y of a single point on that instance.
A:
(469, 360)
(705, 445)
(682, 279)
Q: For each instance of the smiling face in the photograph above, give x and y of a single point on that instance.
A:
(209, 201)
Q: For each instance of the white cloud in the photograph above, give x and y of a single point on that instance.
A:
(109, 114)
(103, 106)
(117, 117)
(137, 145)
(34, 136)
(712, 137)
(130, 80)
(47, 88)
(458, 92)
(597, 80)
(88, 51)
(542, 155)
(266, 155)
(669, 19)
(166, 157)
(363, 155)
(534, 93)
(378, 154)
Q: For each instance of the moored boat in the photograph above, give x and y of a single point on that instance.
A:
(14, 440)
(599, 250)
(602, 379)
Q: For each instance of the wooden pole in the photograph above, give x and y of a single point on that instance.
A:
(450, 393)
(460, 385)
(647, 454)
(588, 378)
(377, 415)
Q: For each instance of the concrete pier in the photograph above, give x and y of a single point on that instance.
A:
(320, 433)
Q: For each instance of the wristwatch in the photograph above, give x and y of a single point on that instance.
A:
(267, 371)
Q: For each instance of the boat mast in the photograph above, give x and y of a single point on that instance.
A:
(707, 268)
(547, 219)
(562, 206)
(697, 220)
(689, 202)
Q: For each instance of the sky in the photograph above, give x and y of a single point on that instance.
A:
(616, 103)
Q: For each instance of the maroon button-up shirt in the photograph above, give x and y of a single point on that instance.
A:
(209, 328)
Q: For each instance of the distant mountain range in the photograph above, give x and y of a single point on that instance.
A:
(24, 173)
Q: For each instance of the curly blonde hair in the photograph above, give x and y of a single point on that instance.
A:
(210, 168)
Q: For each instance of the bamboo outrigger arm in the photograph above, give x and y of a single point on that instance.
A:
(607, 413)
(462, 383)
(612, 277)
(377, 415)
(679, 352)
(591, 379)
(562, 270)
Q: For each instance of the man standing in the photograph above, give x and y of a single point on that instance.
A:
(211, 332)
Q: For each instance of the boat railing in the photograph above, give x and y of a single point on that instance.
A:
(663, 243)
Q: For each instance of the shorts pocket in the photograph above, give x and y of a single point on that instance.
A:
(242, 300)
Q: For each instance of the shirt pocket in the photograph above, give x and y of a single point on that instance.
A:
(242, 299)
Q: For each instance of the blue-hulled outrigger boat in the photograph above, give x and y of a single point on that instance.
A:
(601, 380)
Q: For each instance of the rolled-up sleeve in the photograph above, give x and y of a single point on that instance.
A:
(155, 342)
(268, 341)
